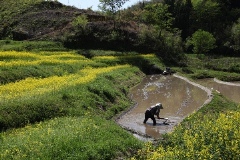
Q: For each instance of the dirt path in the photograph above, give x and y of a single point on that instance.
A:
(226, 83)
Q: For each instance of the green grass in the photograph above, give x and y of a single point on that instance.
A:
(106, 98)
(84, 137)
(42, 70)
(101, 94)
(224, 68)
(74, 122)
(36, 46)
(210, 133)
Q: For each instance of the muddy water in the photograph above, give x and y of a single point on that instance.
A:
(229, 90)
(179, 99)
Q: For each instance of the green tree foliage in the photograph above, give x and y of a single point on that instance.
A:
(147, 37)
(181, 13)
(171, 51)
(206, 15)
(133, 14)
(234, 42)
(202, 42)
(236, 35)
(229, 3)
(111, 6)
(158, 34)
(158, 15)
(80, 22)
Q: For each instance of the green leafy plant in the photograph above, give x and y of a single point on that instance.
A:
(158, 15)
(202, 42)
(235, 34)
(80, 21)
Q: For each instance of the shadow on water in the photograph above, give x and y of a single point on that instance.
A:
(179, 99)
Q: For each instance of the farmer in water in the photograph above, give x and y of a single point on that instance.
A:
(153, 110)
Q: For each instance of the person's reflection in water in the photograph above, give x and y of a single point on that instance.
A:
(152, 131)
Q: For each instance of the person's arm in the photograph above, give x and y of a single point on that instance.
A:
(159, 107)
(157, 113)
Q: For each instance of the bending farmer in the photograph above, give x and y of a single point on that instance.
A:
(153, 110)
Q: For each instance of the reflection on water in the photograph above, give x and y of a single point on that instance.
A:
(179, 99)
(229, 90)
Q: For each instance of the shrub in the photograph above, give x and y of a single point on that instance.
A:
(202, 42)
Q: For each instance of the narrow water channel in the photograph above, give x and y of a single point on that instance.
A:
(178, 97)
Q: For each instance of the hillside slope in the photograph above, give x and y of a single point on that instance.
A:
(37, 19)
(51, 20)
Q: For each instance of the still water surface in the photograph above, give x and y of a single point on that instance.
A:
(178, 97)
(227, 89)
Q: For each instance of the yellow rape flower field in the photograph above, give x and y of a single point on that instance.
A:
(15, 59)
(31, 87)
(54, 111)
(200, 136)
(63, 111)
(35, 87)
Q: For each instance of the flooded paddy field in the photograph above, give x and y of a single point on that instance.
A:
(230, 90)
(178, 96)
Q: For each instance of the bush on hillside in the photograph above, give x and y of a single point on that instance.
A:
(202, 42)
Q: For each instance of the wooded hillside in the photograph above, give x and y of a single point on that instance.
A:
(168, 27)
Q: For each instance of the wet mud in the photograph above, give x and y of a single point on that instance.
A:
(179, 97)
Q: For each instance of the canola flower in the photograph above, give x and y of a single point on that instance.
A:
(31, 87)
(206, 139)
(7, 55)
(125, 56)
(15, 59)
(60, 55)
(39, 62)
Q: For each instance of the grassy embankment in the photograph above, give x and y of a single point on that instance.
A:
(200, 66)
(64, 103)
(60, 105)
(210, 133)
(213, 131)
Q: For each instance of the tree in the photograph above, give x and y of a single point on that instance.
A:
(207, 15)
(80, 21)
(182, 12)
(158, 15)
(234, 37)
(111, 6)
(202, 42)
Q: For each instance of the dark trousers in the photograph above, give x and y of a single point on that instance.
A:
(148, 114)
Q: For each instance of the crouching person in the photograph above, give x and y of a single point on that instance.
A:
(152, 111)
